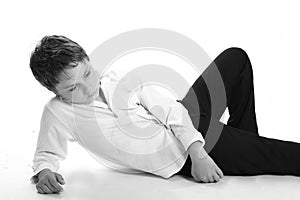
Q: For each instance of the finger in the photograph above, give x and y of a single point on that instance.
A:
(196, 178)
(211, 179)
(54, 184)
(216, 177)
(34, 179)
(205, 180)
(59, 178)
(45, 188)
(39, 189)
(50, 186)
(219, 171)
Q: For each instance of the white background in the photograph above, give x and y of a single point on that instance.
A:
(267, 30)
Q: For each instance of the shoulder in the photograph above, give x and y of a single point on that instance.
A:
(52, 108)
(57, 110)
(54, 118)
(55, 103)
(59, 107)
(120, 83)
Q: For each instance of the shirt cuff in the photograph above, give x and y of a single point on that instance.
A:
(43, 166)
(194, 136)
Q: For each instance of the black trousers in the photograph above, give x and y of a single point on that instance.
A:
(239, 149)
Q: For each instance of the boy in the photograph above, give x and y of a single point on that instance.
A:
(63, 67)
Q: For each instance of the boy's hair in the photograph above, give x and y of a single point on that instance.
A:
(52, 55)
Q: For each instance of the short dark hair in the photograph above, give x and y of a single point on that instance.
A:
(52, 55)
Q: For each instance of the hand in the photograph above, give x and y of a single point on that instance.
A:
(48, 182)
(206, 170)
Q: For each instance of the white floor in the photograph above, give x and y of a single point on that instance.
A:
(86, 179)
(89, 184)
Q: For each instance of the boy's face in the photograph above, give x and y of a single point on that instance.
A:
(83, 85)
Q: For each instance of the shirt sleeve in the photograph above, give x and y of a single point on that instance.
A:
(51, 144)
(171, 113)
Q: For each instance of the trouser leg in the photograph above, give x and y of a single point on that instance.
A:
(235, 69)
(241, 103)
(241, 153)
(239, 149)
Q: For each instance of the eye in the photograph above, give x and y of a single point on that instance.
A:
(88, 73)
(72, 89)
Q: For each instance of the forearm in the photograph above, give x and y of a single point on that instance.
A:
(196, 151)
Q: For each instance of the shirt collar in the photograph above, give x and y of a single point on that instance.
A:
(103, 85)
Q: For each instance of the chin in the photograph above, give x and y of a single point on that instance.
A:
(91, 100)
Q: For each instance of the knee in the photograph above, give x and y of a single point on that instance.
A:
(234, 56)
(236, 52)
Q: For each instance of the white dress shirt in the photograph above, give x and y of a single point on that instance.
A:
(136, 131)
